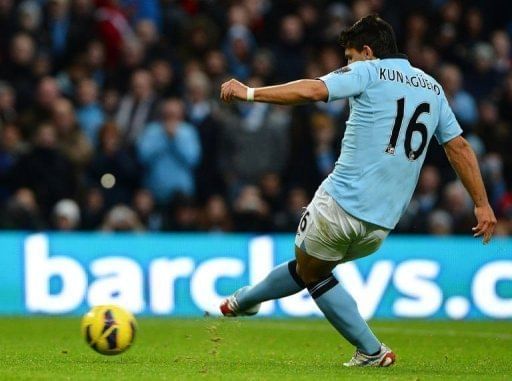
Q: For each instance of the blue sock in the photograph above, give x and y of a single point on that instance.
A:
(280, 282)
(341, 311)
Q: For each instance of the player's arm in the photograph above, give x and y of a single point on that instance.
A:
(301, 91)
(464, 162)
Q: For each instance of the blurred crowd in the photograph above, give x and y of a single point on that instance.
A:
(110, 119)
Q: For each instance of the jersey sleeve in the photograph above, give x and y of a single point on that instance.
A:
(348, 81)
(448, 127)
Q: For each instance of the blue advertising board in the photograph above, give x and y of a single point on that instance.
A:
(188, 274)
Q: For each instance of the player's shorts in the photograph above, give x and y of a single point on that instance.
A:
(329, 233)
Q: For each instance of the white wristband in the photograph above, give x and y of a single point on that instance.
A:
(250, 94)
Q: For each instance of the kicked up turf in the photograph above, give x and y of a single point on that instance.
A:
(45, 348)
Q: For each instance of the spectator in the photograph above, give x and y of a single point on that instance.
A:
(263, 65)
(18, 68)
(238, 15)
(113, 29)
(272, 191)
(440, 223)
(428, 189)
(72, 141)
(29, 17)
(416, 36)
(199, 106)
(93, 209)
(11, 148)
(89, 113)
(201, 113)
(474, 25)
(429, 60)
(423, 202)
(315, 149)
(202, 36)
(69, 78)
(251, 212)
(58, 24)
(309, 13)
(95, 60)
(46, 94)
(458, 204)
(361, 8)
(505, 207)
(45, 171)
(216, 216)
(43, 65)
(169, 150)
(502, 229)
(482, 79)
(324, 144)
(137, 108)
(66, 215)
(462, 103)
(8, 113)
(447, 31)
(501, 45)
(142, 10)
(216, 67)
(495, 134)
(147, 33)
(289, 50)
(254, 141)
(22, 212)
(81, 28)
(110, 103)
(122, 219)
(164, 79)
(492, 172)
(114, 162)
(183, 214)
(338, 17)
(288, 219)
(144, 206)
(174, 21)
(329, 61)
(7, 23)
(238, 49)
(132, 59)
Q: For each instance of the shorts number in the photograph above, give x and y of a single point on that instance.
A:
(304, 221)
(413, 126)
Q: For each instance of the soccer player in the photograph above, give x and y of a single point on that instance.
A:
(395, 109)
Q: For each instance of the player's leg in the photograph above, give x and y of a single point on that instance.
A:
(282, 281)
(335, 302)
(366, 245)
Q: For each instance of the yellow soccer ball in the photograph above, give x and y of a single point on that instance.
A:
(109, 329)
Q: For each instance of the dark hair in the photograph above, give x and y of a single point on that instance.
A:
(372, 31)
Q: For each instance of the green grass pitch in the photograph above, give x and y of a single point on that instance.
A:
(254, 349)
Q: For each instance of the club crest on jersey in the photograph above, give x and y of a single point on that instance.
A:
(342, 70)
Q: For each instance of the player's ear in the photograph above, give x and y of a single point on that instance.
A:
(367, 53)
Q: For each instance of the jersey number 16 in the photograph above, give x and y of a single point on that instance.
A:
(413, 125)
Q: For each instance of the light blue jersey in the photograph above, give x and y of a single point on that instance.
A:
(394, 111)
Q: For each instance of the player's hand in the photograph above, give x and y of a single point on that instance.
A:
(233, 90)
(486, 221)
